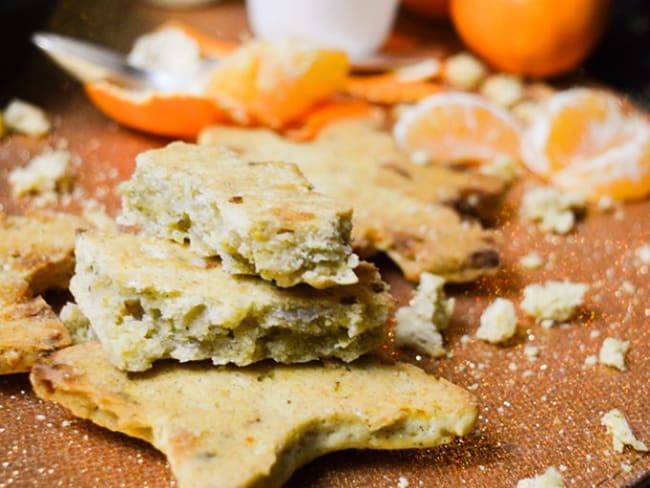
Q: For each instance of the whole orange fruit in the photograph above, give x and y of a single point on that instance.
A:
(530, 37)
(437, 9)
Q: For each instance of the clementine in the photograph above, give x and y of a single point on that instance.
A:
(530, 37)
(590, 141)
(276, 83)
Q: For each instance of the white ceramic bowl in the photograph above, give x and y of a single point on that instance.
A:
(358, 27)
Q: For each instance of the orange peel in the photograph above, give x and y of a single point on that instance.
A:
(389, 89)
(591, 141)
(164, 114)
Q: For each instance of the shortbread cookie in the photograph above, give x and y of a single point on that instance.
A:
(28, 326)
(242, 427)
(39, 248)
(149, 299)
(260, 218)
(396, 204)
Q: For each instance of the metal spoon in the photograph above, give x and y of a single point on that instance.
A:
(90, 62)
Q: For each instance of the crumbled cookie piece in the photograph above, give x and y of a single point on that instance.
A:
(503, 89)
(531, 260)
(622, 435)
(167, 50)
(551, 478)
(26, 118)
(554, 300)
(612, 353)
(553, 209)
(498, 322)
(643, 253)
(261, 218)
(418, 324)
(28, 326)
(464, 71)
(46, 175)
(150, 299)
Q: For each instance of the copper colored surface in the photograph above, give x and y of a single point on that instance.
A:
(533, 414)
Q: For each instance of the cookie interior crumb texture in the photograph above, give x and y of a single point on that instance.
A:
(150, 299)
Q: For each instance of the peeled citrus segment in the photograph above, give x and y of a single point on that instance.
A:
(275, 83)
(592, 141)
(165, 114)
(456, 127)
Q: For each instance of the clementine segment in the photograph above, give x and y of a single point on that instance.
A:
(457, 127)
(591, 141)
(532, 37)
(275, 83)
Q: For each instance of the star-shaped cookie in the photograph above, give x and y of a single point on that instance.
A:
(36, 254)
(397, 205)
(240, 427)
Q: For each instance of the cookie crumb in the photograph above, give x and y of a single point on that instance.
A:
(552, 209)
(498, 322)
(643, 253)
(612, 353)
(419, 323)
(25, 118)
(531, 260)
(553, 301)
(46, 175)
(503, 89)
(551, 478)
(617, 425)
(464, 71)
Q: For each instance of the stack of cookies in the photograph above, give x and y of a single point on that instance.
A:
(239, 262)
(242, 262)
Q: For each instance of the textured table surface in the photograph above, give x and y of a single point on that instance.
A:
(533, 414)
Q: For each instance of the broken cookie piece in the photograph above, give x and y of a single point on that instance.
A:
(243, 427)
(28, 326)
(397, 205)
(260, 218)
(151, 299)
(39, 248)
